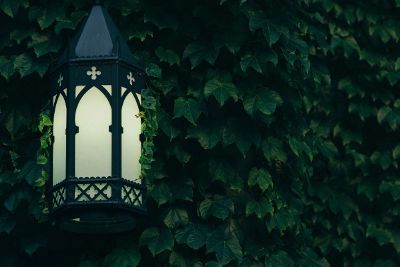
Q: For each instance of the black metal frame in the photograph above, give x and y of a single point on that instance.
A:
(63, 195)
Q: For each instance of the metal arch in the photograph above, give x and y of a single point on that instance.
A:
(87, 88)
(126, 93)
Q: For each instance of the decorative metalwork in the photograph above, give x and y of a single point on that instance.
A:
(60, 79)
(93, 73)
(59, 197)
(92, 192)
(131, 195)
(130, 78)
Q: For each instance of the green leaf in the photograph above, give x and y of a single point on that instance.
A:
(160, 18)
(16, 119)
(6, 67)
(168, 56)
(208, 134)
(219, 207)
(32, 242)
(198, 53)
(44, 121)
(263, 100)
(176, 217)
(176, 259)
(187, 108)
(221, 89)
(242, 133)
(160, 193)
(273, 149)
(222, 171)
(282, 219)
(225, 245)
(123, 257)
(7, 223)
(271, 31)
(157, 240)
(153, 70)
(299, 147)
(259, 208)
(10, 7)
(14, 199)
(393, 187)
(250, 61)
(260, 177)
(279, 259)
(31, 171)
(396, 152)
(193, 235)
(24, 65)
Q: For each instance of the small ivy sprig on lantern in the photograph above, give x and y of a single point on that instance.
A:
(149, 108)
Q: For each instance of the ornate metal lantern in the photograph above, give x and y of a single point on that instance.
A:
(96, 175)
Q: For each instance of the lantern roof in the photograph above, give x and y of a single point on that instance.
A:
(98, 39)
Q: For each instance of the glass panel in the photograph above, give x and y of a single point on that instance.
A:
(131, 146)
(93, 142)
(59, 145)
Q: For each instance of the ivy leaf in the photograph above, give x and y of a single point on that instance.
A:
(222, 171)
(157, 240)
(250, 61)
(242, 133)
(225, 245)
(33, 242)
(153, 70)
(31, 171)
(165, 122)
(219, 207)
(187, 108)
(279, 258)
(260, 177)
(7, 223)
(10, 7)
(259, 208)
(9, 177)
(273, 149)
(6, 67)
(49, 16)
(396, 152)
(208, 134)
(263, 100)
(16, 119)
(282, 219)
(24, 65)
(198, 53)
(160, 18)
(193, 235)
(299, 147)
(168, 56)
(221, 89)
(160, 193)
(123, 257)
(14, 199)
(176, 217)
(272, 32)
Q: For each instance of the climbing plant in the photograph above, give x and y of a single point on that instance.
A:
(271, 133)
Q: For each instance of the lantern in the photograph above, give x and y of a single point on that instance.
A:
(96, 183)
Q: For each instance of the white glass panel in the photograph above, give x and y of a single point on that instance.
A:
(131, 146)
(93, 142)
(59, 145)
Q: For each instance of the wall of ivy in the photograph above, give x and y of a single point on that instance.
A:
(278, 133)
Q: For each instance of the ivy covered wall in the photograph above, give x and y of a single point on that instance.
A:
(278, 141)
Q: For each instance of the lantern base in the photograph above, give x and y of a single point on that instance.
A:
(97, 222)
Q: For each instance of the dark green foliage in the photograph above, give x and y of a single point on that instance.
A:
(277, 133)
